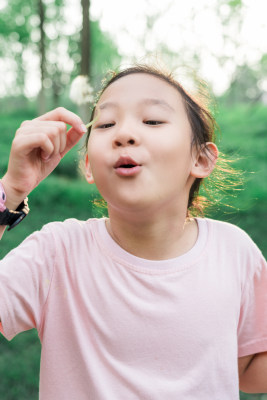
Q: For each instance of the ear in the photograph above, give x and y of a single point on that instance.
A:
(88, 171)
(204, 160)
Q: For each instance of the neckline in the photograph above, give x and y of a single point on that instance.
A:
(181, 262)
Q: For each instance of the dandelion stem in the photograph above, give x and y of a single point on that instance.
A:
(92, 122)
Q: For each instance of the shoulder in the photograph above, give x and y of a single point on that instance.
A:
(64, 231)
(234, 247)
(69, 238)
(228, 230)
(70, 225)
(53, 233)
(228, 235)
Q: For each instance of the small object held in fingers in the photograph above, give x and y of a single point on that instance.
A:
(92, 122)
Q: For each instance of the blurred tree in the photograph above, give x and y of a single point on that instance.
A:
(104, 54)
(262, 73)
(41, 9)
(56, 69)
(85, 50)
(15, 37)
(230, 14)
(39, 29)
(243, 87)
(248, 84)
(85, 39)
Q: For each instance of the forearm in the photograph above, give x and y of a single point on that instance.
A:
(254, 379)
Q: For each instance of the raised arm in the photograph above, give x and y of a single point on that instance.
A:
(37, 149)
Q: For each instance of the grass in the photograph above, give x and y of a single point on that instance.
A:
(64, 195)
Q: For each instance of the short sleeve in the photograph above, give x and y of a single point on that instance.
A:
(252, 327)
(25, 278)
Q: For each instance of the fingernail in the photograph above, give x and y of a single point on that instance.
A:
(83, 128)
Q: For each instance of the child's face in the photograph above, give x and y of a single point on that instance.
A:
(143, 124)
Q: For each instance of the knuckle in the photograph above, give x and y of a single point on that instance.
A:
(61, 110)
(44, 139)
(15, 144)
(19, 131)
(53, 132)
(62, 126)
(24, 123)
(56, 131)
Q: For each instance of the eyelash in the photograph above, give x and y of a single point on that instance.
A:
(154, 123)
(105, 126)
(149, 122)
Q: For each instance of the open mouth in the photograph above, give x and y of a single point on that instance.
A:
(125, 162)
(126, 166)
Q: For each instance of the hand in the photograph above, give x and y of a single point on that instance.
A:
(37, 149)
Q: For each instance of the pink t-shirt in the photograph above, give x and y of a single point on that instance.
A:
(114, 326)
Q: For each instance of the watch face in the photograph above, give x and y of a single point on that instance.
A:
(2, 198)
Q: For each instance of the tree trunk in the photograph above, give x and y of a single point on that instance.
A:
(85, 53)
(85, 39)
(42, 106)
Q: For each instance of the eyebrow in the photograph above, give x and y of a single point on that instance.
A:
(148, 101)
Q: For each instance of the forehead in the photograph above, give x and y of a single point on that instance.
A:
(139, 86)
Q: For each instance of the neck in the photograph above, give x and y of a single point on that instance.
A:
(153, 237)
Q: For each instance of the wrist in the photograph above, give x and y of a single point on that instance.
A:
(11, 217)
(13, 196)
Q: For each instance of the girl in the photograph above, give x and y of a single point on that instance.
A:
(148, 303)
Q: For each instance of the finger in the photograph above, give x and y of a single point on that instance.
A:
(63, 141)
(25, 145)
(56, 131)
(34, 126)
(73, 138)
(62, 114)
(57, 134)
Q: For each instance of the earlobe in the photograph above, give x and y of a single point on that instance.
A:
(88, 173)
(205, 160)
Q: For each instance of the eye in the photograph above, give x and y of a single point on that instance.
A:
(105, 126)
(151, 122)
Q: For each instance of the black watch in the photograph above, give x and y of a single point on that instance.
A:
(9, 217)
(13, 218)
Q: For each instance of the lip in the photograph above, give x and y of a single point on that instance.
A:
(124, 171)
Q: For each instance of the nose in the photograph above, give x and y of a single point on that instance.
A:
(124, 136)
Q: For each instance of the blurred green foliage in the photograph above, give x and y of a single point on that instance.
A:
(65, 194)
(243, 138)
(20, 44)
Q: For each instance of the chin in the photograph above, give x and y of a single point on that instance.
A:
(130, 205)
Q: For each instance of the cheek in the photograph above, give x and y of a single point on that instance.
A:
(97, 155)
(175, 148)
(95, 150)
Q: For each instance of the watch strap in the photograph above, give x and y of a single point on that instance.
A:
(13, 218)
